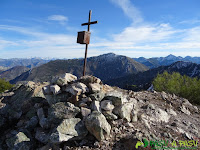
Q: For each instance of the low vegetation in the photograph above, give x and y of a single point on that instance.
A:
(183, 86)
(4, 85)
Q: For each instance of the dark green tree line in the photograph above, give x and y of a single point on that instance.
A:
(182, 86)
(4, 85)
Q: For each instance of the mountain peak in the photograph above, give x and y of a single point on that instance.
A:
(170, 56)
(109, 55)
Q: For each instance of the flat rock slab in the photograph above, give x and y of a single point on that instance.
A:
(69, 129)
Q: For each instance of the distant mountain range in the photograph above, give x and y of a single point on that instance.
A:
(13, 62)
(12, 73)
(143, 80)
(108, 66)
(165, 61)
(116, 70)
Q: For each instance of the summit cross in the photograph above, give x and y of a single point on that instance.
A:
(86, 48)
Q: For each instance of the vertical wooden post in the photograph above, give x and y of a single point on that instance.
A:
(86, 47)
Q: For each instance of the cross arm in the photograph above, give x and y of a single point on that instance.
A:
(89, 23)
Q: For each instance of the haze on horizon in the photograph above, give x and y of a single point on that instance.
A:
(134, 28)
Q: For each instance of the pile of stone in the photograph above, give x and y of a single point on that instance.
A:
(65, 109)
(70, 111)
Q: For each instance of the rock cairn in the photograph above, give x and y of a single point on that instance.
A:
(84, 112)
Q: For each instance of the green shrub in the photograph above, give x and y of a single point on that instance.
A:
(182, 86)
(4, 85)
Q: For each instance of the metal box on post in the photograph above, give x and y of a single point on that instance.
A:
(83, 37)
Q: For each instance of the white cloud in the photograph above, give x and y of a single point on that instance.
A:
(58, 18)
(7, 43)
(38, 44)
(191, 21)
(129, 9)
(146, 33)
(193, 34)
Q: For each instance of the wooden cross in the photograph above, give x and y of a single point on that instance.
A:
(86, 48)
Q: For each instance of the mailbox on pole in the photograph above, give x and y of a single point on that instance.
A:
(84, 38)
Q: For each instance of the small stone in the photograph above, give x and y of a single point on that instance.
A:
(97, 96)
(187, 135)
(95, 87)
(164, 95)
(63, 79)
(77, 88)
(174, 124)
(18, 140)
(14, 114)
(55, 89)
(85, 111)
(86, 99)
(74, 99)
(95, 106)
(40, 113)
(82, 105)
(172, 112)
(90, 79)
(46, 90)
(109, 115)
(44, 123)
(184, 110)
(116, 98)
(32, 123)
(41, 135)
(107, 105)
(151, 106)
(134, 116)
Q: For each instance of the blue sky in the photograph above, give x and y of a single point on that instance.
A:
(148, 28)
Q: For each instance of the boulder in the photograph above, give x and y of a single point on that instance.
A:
(107, 105)
(32, 123)
(62, 110)
(77, 88)
(117, 98)
(85, 111)
(185, 110)
(124, 111)
(97, 96)
(171, 112)
(86, 99)
(62, 97)
(95, 87)
(55, 89)
(40, 113)
(97, 125)
(109, 115)
(14, 113)
(19, 141)
(63, 79)
(43, 121)
(42, 135)
(68, 129)
(90, 79)
(134, 115)
(46, 90)
(160, 115)
(95, 106)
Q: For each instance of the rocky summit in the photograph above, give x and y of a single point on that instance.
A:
(70, 113)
